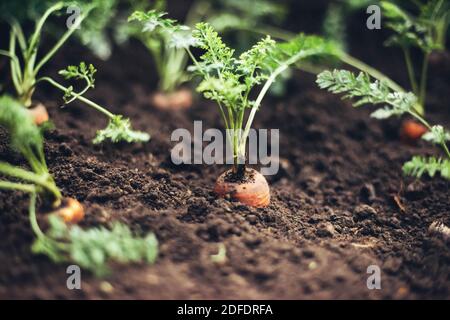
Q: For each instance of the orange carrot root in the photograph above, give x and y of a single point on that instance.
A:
(253, 191)
(71, 211)
(39, 114)
(411, 131)
(178, 100)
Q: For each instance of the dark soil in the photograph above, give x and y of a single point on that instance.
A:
(339, 203)
(243, 175)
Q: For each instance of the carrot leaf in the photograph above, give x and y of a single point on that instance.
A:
(94, 248)
(119, 129)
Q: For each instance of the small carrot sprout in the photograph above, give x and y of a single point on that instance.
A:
(25, 67)
(25, 64)
(363, 91)
(91, 248)
(119, 128)
(426, 31)
(157, 35)
(229, 80)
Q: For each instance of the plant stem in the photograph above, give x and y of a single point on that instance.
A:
(17, 29)
(81, 98)
(273, 32)
(222, 112)
(411, 73)
(37, 31)
(37, 230)
(14, 74)
(257, 103)
(45, 181)
(32, 216)
(60, 42)
(423, 81)
(377, 75)
(7, 185)
(352, 61)
(426, 124)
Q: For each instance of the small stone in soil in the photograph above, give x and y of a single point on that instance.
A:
(438, 228)
(307, 253)
(252, 219)
(65, 150)
(415, 191)
(363, 212)
(367, 193)
(392, 264)
(325, 230)
(252, 241)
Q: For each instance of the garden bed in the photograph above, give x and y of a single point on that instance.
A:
(339, 202)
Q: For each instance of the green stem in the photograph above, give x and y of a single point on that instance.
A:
(14, 73)
(37, 230)
(83, 99)
(257, 103)
(173, 70)
(37, 31)
(224, 118)
(411, 73)
(45, 181)
(426, 124)
(7, 185)
(32, 216)
(236, 138)
(79, 94)
(222, 112)
(377, 75)
(15, 26)
(352, 61)
(265, 88)
(61, 41)
(273, 32)
(423, 80)
(31, 207)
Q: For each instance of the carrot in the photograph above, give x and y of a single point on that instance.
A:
(71, 211)
(411, 131)
(178, 100)
(39, 114)
(252, 190)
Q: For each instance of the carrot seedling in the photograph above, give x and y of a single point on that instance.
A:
(334, 23)
(426, 31)
(27, 139)
(170, 60)
(243, 16)
(23, 53)
(25, 67)
(364, 90)
(119, 128)
(230, 81)
(91, 248)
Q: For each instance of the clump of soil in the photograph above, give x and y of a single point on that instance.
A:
(247, 175)
(339, 203)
